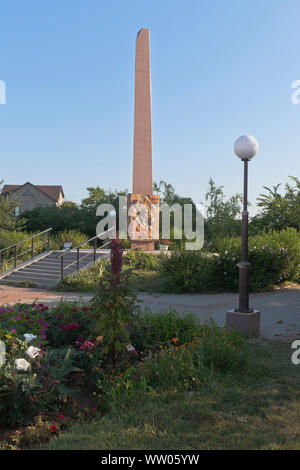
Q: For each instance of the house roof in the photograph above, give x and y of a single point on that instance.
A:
(52, 191)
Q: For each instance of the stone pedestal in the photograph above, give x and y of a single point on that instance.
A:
(246, 323)
(145, 245)
(143, 221)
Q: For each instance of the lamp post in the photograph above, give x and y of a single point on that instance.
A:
(244, 319)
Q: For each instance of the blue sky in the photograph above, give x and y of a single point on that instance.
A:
(220, 69)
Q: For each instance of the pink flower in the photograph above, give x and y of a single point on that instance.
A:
(87, 345)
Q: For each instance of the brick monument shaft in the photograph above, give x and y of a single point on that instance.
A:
(142, 147)
(142, 190)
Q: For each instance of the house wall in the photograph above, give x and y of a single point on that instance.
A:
(29, 202)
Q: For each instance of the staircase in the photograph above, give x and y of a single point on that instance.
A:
(45, 270)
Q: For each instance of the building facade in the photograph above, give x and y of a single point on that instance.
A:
(31, 196)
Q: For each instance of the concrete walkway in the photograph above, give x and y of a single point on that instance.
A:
(280, 310)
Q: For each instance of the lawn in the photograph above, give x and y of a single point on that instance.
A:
(230, 411)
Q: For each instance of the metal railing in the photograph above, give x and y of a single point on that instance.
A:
(33, 247)
(78, 258)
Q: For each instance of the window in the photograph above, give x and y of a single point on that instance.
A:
(27, 193)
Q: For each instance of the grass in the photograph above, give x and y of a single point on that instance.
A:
(152, 281)
(144, 280)
(228, 412)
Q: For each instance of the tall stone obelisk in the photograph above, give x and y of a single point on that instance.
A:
(142, 235)
(142, 150)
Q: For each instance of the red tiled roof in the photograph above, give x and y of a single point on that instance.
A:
(52, 191)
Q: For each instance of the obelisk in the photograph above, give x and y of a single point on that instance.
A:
(142, 148)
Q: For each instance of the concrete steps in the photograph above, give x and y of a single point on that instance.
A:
(45, 270)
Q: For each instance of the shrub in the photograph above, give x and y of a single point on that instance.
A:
(40, 384)
(191, 271)
(86, 279)
(8, 238)
(182, 365)
(73, 236)
(162, 327)
(114, 305)
(69, 323)
(140, 260)
(274, 257)
(23, 318)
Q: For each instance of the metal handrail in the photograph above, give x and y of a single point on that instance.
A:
(77, 247)
(15, 245)
(25, 239)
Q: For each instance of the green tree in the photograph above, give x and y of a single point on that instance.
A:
(278, 211)
(222, 216)
(168, 196)
(8, 219)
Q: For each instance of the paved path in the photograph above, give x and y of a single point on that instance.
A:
(280, 310)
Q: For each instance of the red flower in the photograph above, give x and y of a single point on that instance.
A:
(84, 309)
(53, 428)
(70, 326)
(60, 417)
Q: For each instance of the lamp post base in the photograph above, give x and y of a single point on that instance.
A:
(246, 323)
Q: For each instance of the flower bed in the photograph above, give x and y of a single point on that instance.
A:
(53, 354)
(101, 352)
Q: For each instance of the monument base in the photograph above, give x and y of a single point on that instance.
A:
(143, 221)
(246, 323)
(145, 245)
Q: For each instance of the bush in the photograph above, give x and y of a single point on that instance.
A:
(8, 238)
(140, 260)
(274, 258)
(73, 236)
(33, 384)
(182, 365)
(86, 279)
(191, 271)
(162, 327)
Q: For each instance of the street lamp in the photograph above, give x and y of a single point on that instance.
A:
(245, 319)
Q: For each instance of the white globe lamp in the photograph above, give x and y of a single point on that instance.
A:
(246, 147)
